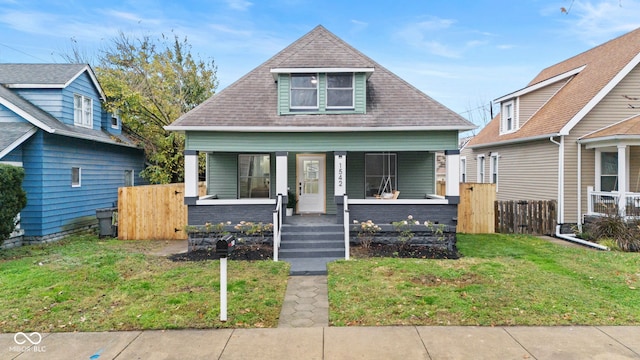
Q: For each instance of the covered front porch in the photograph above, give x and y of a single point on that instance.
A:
(616, 169)
(383, 185)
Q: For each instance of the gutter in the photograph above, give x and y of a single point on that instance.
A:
(573, 238)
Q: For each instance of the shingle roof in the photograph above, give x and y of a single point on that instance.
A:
(12, 132)
(42, 74)
(628, 127)
(603, 63)
(47, 122)
(252, 100)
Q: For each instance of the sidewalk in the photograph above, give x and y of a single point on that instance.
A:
(407, 342)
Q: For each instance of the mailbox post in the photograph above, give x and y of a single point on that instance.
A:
(223, 246)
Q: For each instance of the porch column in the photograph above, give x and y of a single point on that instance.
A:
(340, 173)
(452, 186)
(281, 174)
(622, 179)
(190, 177)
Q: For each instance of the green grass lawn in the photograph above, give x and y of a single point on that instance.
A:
(87, 284)
(500, 280)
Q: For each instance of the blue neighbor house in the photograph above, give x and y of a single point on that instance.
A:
(53, 124)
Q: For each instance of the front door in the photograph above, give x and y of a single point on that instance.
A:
(311, 183)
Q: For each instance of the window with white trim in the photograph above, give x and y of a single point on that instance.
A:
(508, 117)
(304, 91)
(493, 169)
(82, 111)
(340, 91)
(481, 167)
(463, 169)
(254, 176)
(76, 177)
(608, 171)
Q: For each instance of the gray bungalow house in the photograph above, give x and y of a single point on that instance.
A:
(324, 123)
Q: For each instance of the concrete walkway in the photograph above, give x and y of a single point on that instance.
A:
(407, 342)
(306, 302)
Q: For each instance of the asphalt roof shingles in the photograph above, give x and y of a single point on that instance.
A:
(252, 100)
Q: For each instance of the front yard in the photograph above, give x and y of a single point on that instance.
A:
(500, 280)
(87, 284)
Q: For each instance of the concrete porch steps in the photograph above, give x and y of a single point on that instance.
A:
(308, 248)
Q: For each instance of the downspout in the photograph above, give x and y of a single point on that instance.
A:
(558, 234)
(560, 144)
(579, 187)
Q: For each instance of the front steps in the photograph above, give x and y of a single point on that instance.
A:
(308, 248)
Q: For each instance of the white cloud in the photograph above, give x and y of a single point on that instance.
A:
(595, 22)
(421, 36)
(241, 5)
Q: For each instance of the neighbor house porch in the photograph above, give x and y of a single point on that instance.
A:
(616, 170)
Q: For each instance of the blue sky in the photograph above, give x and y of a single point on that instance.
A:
(461, 53)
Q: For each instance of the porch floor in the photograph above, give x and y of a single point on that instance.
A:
(311, 219)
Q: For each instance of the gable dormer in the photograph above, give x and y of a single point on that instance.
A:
(518, 107)
(321, 90)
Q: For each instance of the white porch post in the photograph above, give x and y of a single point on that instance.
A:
(340, 173)
(622, 179)
(452, 186)
(281, 173)
(190, 177)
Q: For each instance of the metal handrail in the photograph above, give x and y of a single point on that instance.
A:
(346, 226)
(277, 227)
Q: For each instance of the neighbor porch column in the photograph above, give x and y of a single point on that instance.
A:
(281, 174)
(622, 179)
(190, 177)
(452, 187)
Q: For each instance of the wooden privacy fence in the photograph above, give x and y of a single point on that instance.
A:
(476, 211)
(152, 212)
(526, 217)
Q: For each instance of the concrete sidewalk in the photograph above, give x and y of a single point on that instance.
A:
(395, 342)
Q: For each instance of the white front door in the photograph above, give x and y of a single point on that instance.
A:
(311, 183)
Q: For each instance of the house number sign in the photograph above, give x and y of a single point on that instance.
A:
(340, 168)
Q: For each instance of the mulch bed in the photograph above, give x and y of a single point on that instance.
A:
(244, 252)
(265, 252)
(403, 251)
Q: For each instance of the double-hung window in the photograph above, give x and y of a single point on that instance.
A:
(463, 169)
(481, 167)
(253, 176)
(82, 111)
(304, 91)
(340, 91)
(493, 165)
(608, 171)
(508, 117)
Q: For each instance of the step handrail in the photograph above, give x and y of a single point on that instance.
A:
(346, 226)
(277, 227)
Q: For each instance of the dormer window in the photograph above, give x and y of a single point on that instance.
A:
(340, 91)
(509, 123)
(82, 111)
(304, 91)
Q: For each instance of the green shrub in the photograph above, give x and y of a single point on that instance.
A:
(12, 198)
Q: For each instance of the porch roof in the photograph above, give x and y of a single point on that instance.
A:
(625, 131)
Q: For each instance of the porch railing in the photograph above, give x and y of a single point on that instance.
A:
(607, 203)
(277, 227)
